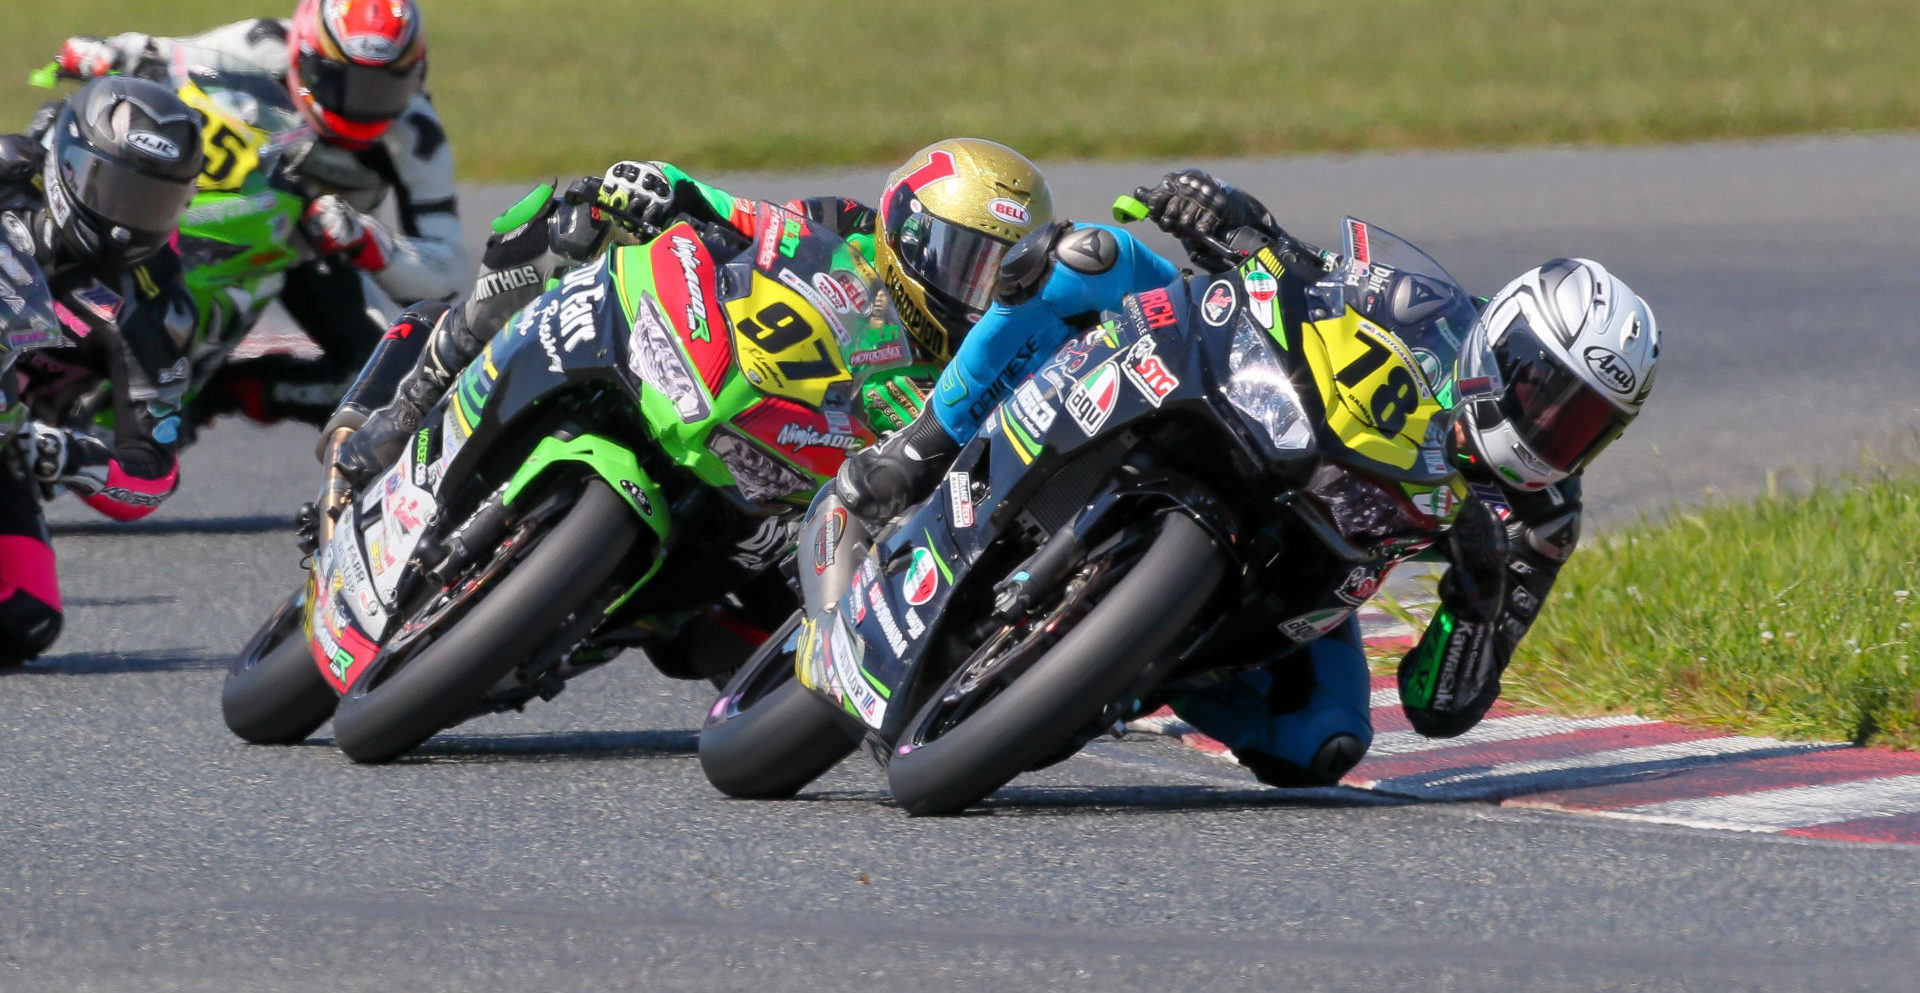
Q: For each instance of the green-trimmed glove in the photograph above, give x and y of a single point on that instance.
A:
(895, 397)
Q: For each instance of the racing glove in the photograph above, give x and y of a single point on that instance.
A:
(641, 189)
(86, 56)
(1451, 679)
(338, 229)
(56, 456)
(894, 398)
(1193, 206)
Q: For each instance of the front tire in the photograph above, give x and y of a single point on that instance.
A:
(274, 693)
(943, 769)
(768, 736)
(382, 719)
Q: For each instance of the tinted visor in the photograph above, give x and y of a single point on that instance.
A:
(952, 260)
(357, 92)
(1563, 419)
(122, 195)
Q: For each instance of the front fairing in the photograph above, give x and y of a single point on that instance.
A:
(241, 233)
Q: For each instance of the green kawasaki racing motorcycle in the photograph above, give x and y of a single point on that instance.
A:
(629, 449)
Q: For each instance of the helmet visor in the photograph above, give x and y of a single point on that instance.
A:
(951, 259)
(357, 92)
(1555, 412)
(122, 195)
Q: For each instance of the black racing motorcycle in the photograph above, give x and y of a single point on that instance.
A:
(1219, 470)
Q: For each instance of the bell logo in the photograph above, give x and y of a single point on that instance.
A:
(1010, 211)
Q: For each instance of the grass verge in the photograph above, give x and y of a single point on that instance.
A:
(531, 90)
(1792, 617)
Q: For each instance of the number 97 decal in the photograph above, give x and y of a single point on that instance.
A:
(785, 346)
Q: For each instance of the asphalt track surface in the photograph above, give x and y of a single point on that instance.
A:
(577, 846)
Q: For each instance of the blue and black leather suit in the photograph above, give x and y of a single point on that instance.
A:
(1291, 724)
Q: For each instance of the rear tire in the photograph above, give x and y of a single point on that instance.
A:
(1046, 706)
(768, 736)
(274, 693)
(563, 571)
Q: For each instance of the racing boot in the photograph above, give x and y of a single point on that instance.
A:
(1293, 724)
(877, 483)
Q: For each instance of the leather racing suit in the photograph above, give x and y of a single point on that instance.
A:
(515, 269)
(126, 329)
(423, 259)
(1291, 724)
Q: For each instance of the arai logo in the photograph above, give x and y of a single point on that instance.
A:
(158, 146)
(1009, 211)
(922, 578)
(1611, 368)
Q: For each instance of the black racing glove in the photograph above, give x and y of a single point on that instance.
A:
(1194, 206)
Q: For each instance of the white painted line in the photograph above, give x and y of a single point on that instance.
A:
(1488, 782)
(1389, 697)
(1797, 806)
(1495, 730)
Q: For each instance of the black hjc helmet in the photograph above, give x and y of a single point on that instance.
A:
(122, 163)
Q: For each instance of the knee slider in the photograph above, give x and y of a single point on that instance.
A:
(28, 626)
(1336, 757)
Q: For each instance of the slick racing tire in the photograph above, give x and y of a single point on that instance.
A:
(941, 767)
(274, 693)
(768, 736)
(381, 719)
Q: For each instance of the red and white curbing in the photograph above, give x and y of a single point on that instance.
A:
(1631, 768)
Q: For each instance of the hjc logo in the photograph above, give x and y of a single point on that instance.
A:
(1611, 368)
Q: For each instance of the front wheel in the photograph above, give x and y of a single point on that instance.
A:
(390, 710)
(768, 736)
(274, 693)
(972, 738)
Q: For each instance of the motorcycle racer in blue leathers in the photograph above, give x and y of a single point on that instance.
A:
(1532, 416)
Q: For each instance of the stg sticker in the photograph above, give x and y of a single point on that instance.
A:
(1147, 373)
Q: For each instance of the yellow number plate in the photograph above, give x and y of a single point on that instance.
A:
(783, 343)
(232, 145)
(1377, 400)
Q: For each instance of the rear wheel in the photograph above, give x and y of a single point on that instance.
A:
(768, 736)
(274, 693)
(983, 727)
(406, 700)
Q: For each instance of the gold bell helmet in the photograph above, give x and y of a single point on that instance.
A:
(946, 218)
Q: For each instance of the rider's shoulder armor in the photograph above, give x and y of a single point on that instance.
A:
(1025, 267)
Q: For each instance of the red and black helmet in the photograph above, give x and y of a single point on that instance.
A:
(354, 65)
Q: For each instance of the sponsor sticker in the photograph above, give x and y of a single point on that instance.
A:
(922, 579)
(1308, 627)
(1148, 373)
(1261, 289)
(826, 542)
(1093, 398)
(894, 353)
(960, 494)
(1360, 585)
(1217, 303)
(1032, 410)
(1156, 308)
(883, 613)
(103, 302)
